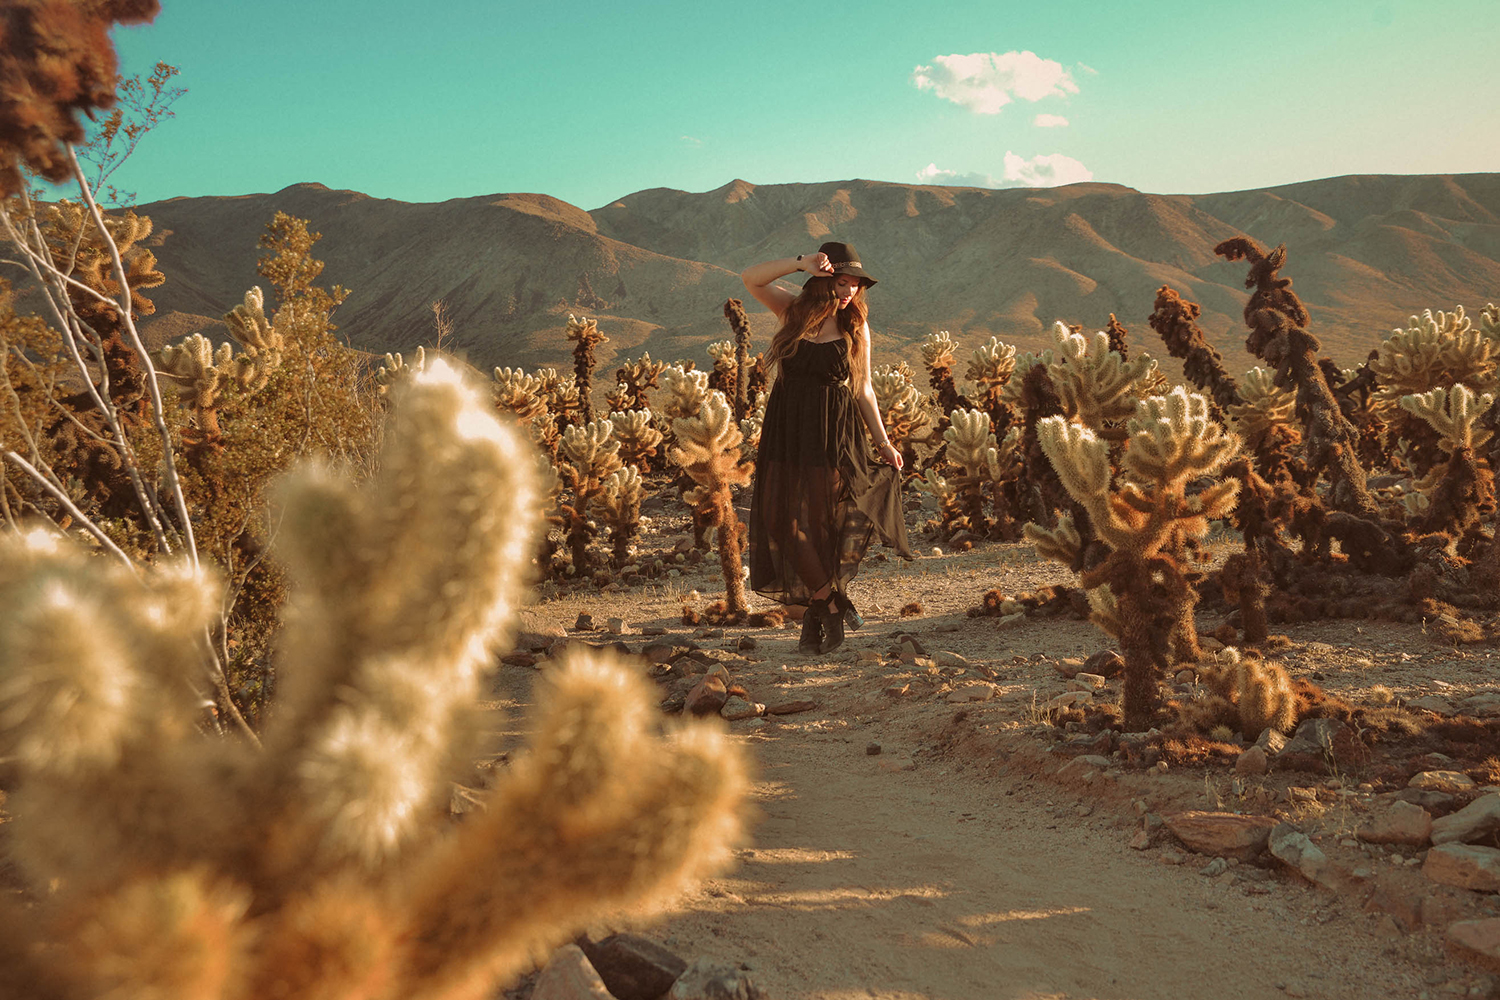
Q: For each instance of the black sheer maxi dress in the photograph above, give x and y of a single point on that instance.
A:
(819, 498)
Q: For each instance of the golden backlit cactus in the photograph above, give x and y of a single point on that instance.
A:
(587, 455)
(908, 416)
(1144, 515)
(1489, 321)
(199, 372)
(725, 376)
(69, 230)
(620, 503)
(261, 344)
(169, 865)
(708, 450)
(1265, 411)
(636, 378)
(938, 355)
(397, 368)
(1097, 387)
(685, 391)
(1011, 392)
(1434, 350)
(990, 368)
(1061, 544)
(750, 427)
(639, 438)
(1454, 414)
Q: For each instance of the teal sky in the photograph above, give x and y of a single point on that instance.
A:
(589, 101)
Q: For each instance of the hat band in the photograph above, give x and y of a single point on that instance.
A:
(846, 263)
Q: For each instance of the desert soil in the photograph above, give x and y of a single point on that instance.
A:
(956, 863)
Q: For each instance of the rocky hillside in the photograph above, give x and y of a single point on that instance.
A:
(656, 266)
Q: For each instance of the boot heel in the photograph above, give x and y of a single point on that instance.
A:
(852, 618)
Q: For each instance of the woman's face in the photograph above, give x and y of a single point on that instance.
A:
(844, 288)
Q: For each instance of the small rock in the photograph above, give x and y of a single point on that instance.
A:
(897, 690)
(736, 708)
(653, 630)
(1481, 937)
(1314, 746)
(1084, 768)
(1169, 856)
(1297, 851)
(867, 657)
(1432, 703)
(708, 980)
(659, 652)
(1222, 835)
(1215, 868)
(1485, 705)
(746, 643)
(1186, 676)
(633, 967)
(1252, 762)
(1440, 910)
(971, 692)
(1271, 741)
(1474, 821)
(792, 707)
(1441, 781)
(1209, 644)
(1066, 700)
(519, 659)
(1437, 803)
(585, 623)
(568, 975)
(872, 749)
(1404, 907)
(1140, 840)
(616, 626)
(1010, 621)
(910, 644)
(944, 658)
(1464, 865)
(1105, 663)
(1070, 666)
(894, 764)
(1399, 823)
(707, 696)
(711, 633)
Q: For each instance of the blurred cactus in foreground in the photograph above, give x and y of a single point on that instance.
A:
(161, 864)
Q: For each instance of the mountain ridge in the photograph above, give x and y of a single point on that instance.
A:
(655, 266)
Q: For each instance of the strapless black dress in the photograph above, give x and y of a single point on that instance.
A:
(820, 497)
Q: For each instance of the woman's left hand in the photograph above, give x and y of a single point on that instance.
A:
(890, 456)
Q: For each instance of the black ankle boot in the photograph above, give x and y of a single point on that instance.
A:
(851, 617)
(833, 629)
(813, 620)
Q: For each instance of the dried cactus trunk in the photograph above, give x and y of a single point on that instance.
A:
(734, 311)
(586, 336)
(1175, 319)
(1278, 335)
(1118, 337)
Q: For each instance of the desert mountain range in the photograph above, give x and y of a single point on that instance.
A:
(1365, 252)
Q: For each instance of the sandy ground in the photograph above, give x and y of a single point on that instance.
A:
(956, 864)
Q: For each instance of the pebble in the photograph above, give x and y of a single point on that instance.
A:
(1440, 781)
(872, 749)
(584, 623)
(616, 626)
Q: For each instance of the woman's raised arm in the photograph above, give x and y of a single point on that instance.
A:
(758, 278)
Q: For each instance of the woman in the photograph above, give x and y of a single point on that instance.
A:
(818, 498)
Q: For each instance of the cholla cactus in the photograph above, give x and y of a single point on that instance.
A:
(1489, 321)
(686, 391)
(990, 368)
(709, 451)
(1061, 544)
(199, 372)
(937, 354)
(260, 342)
(561, 392)
(1011, 392)
(1144, 517)
(750, 428)
(587, 455)
(397, 368)
(1454, 493)
(1434, 351)
(1260, 693)
(1096, 386)
(620, 501)
(639, 439)
(1263, 417)
(725, 375)
(173, 866)
(70, 232)
(636, 377)
(525, 398)
(586, 336)
(908, 417)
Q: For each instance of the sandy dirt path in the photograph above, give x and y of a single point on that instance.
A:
(866, 883)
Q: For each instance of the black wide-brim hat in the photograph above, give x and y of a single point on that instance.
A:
(845, 260)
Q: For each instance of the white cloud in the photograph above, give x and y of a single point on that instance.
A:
(688, 140)
(1050, 121)
(984, 82)
(1047, 170)
(1091, 71)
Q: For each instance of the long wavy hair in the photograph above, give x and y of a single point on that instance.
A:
(806, 316)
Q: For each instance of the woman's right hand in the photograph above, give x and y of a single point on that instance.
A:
(815, 263)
